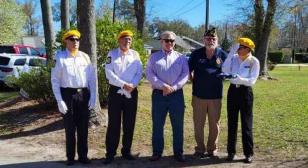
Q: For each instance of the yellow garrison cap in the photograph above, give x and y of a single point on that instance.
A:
(246, 42)
(125, 33)
(71, 33)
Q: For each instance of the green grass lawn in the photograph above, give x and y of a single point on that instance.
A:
(280, 117)
(7, 95)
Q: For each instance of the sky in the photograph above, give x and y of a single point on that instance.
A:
(192, 11)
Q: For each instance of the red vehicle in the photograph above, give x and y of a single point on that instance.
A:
(21, 49)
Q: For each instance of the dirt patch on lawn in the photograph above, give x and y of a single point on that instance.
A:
(32, 135)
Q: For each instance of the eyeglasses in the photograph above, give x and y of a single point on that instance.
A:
(169, 40)
(127, 38)
(74, 39)
(210, 38)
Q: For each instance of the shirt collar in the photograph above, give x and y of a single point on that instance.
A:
(247, 59)
(120, 53)
(166, 53)
(68, 53)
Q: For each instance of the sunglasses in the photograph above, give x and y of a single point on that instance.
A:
(74, 39)
(242, 47)
(169, 40)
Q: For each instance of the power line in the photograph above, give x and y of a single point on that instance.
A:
(183, 12)
(179, 10)
(190, 9)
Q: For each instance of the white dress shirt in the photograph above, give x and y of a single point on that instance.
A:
(123, 69)
(73, 72)
(247, 71)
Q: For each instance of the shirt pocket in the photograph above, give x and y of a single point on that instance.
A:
(83, 68)
(69, 68)
(131, 65)
(245, 71)
(117, 66)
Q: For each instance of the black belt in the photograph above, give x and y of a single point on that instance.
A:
(74, 89)
(239, 86)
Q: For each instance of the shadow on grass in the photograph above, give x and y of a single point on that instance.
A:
(37, 116)
(167, 161)
(57, 125)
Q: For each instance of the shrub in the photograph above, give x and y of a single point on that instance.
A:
(275, 57)
(36, 84)
(301, 57)
(226, 44)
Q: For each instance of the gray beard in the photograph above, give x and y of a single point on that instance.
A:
(212, 47)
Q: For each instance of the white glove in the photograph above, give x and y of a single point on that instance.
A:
(91, 103)
(234, 49)
(62, 107)
(124, 92)
(238, 79)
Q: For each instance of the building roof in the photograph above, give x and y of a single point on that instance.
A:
(35, 41)
(195, 44)
(155, 43)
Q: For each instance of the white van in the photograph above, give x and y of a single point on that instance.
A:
(14, 64)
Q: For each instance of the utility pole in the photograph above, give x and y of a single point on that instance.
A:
(114, 10)
(294, 38)
(207, 11)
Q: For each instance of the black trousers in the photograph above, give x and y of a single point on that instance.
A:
(76, 118)
(240, 100)
(120, 107)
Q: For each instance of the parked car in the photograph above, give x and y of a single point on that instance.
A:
(14, 64)
(21, 49)
(42, 51)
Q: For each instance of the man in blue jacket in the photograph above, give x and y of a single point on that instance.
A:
(205, 66)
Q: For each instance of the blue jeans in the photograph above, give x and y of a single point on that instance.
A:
(161, 105)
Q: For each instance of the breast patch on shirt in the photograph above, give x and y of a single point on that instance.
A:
(108, 60)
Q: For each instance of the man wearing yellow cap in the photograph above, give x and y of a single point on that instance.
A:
(123, 70)
(245, 67)
(74, 86)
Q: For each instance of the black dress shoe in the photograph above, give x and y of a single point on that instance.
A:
(209, 155)
(155, 157)
(84, 160)
(248, 159)
(130, 156)
(70, 162)
(179, 158)
(108, 160)
(230, 157)
(198, 155)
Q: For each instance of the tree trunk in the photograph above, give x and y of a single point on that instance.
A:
(259, 21)
(262, 45)
(65, 13)
(139, 6)
(86, 24)
(48, 27)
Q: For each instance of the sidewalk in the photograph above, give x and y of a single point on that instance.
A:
(292, 65)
